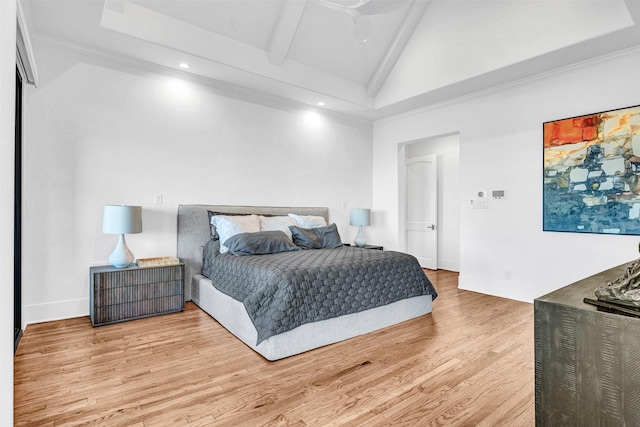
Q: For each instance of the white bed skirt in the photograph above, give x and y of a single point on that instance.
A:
(232, 315)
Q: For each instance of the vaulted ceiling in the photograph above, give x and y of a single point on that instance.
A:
(363, 58)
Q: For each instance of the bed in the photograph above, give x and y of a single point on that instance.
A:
(306, 331)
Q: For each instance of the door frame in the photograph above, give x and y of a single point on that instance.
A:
(17, 213)
(448, 147)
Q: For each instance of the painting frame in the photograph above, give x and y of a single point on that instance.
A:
(591, 173)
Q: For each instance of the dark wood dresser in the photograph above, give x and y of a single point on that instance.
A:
(587, 361)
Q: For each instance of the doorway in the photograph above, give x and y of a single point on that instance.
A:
(17, 218)
(429, 201)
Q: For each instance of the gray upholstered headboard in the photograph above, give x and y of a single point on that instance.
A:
(194, 232)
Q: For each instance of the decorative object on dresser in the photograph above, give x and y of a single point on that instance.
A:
(121, 219)
(622, 294)
(360, 217)
(121, 294)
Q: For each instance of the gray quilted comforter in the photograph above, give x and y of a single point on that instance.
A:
(283, 291)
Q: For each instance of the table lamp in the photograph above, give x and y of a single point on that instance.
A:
(121, 219)
(360, 217)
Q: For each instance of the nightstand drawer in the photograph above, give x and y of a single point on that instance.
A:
(120, 294)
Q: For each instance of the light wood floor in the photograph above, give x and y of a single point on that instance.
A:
(469, 363)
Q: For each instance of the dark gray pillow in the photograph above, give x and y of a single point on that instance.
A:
(316, 238)
(260, 243)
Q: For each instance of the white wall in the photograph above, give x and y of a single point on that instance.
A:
(447, 150)
(7, 121)
(501, 149)
(97, 133)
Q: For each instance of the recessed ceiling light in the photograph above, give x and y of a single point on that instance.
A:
(321, 104)
(184, 65)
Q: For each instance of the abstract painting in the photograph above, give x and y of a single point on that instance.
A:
(591, 171)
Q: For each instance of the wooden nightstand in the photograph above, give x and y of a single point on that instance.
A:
(366, 246)
(121, 294)
(373, 247)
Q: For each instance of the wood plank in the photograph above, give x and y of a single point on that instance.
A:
(470, 362)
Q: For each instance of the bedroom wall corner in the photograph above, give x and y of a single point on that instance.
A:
(7, 121)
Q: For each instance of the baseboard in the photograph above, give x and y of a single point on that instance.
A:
(37, 313)
(448, 264)
(502, 290)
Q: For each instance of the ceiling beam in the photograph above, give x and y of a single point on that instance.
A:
(285, 30)
(411, 21)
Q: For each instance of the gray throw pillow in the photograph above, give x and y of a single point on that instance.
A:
(260, 243)
(316, 238)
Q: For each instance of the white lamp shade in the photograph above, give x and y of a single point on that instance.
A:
(121, 219)
(360, 216)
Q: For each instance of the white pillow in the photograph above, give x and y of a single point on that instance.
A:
(277, 223)
(229, 226)
(309, 221)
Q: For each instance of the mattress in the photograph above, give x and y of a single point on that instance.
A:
(231, 314)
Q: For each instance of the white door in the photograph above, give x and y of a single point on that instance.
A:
(421, 209)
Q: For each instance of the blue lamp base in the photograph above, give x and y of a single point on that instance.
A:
(360, 239)
(121, 256)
